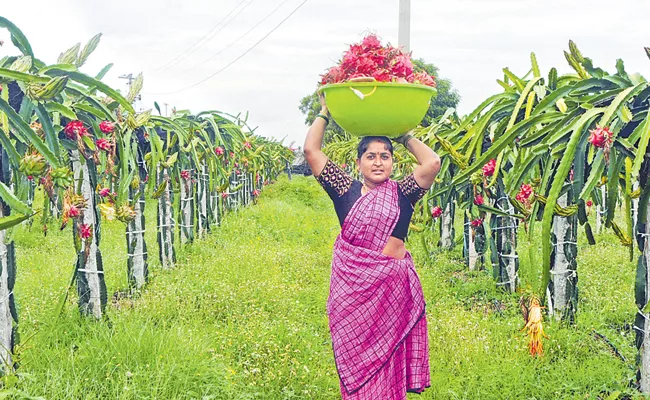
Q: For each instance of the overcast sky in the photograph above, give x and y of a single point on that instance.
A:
(470, 42)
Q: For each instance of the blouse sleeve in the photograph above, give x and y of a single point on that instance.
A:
(334, 180)
(411, 189)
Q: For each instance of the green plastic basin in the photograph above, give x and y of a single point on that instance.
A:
(377, 108)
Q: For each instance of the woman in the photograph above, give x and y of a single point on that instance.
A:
(376, 307)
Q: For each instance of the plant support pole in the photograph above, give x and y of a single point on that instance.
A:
(8, 314)
(166, 223)
(506, 245)
(91, 285)
(187, 211)
(563, 285)
(203, 222)
(642, 323)
(447, 226)
(138, 268)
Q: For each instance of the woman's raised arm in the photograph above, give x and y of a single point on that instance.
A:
(428, 161)
(314, 140)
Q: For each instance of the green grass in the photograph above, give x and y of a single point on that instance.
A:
(243, 316)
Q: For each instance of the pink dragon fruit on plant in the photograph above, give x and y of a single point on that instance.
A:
(436, 212)
(106, 127)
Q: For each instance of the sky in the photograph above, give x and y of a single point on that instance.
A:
(177, 44)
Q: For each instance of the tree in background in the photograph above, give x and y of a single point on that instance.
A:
(310, 106)
(447, 96)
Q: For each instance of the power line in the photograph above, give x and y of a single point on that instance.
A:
(190, 49)
(239, 38)
(178, 57)
(240, 57)
(225, 25)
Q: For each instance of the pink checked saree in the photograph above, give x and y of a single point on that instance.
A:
(376, 306)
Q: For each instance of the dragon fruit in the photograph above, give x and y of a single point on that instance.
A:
(369, 59)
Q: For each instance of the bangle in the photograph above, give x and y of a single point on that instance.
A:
(327, 120)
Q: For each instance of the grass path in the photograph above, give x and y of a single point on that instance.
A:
(243, 317)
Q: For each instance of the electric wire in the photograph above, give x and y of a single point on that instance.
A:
(203, 39)
(238, 58)
(238, 39)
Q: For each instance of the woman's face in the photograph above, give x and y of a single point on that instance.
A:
(376, 164)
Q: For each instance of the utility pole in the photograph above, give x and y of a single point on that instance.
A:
(404, 32)
(130, 78)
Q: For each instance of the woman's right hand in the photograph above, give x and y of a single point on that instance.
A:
(323, 104)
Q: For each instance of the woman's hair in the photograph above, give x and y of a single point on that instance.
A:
(366, 140)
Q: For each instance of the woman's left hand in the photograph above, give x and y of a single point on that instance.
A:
(403, 140)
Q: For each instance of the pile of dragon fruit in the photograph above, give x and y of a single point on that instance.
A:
(369, 59)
